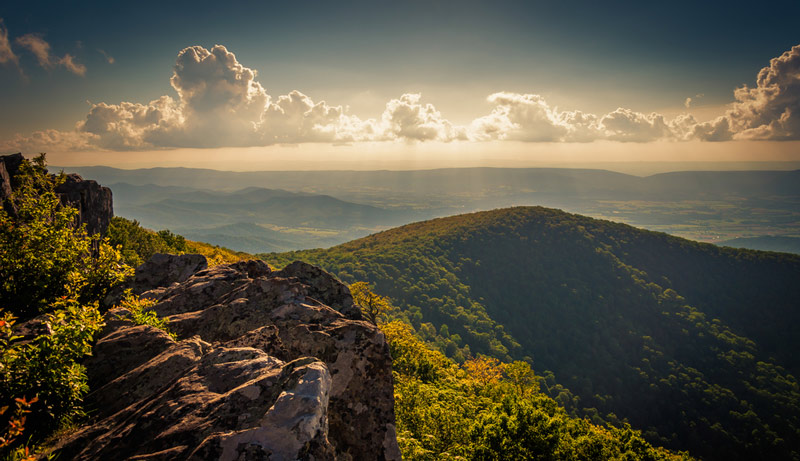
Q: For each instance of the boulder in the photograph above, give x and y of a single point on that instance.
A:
(264, 369)
(93, 201)
(162, 270)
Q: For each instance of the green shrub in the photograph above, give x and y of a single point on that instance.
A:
(140, 314)
(47, 367)
(49, 266)
(138, 244)
(44, 255)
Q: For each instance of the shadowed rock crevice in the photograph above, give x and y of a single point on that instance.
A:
(270, 365)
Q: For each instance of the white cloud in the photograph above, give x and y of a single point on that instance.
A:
(519, 117)
(6, 53)
(37, 46)
(49, 140)
(406, 118)
(69, 62)
(220, 103)
(715, 130)
(528, 117)
(627, 125)
(771, 110)
(127, 125)
(296, 118)
(41, 49)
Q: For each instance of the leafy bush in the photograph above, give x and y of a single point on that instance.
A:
(50, 268)
(47, 367)
(373, 306)
(44, 255)
(139, 314)
(138, 244)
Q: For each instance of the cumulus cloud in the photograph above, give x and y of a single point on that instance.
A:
(627, 125)
(771, 110)
(220, 103)
(6, 53)
(41, 49)
(406, 118)
(48, 140)
(519, 117)
(528, 117)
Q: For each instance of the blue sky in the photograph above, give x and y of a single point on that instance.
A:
(400, 72)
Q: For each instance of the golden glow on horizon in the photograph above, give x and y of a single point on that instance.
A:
(414, 156)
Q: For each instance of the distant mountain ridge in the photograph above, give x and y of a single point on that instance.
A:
(701, 205)
(692, 343)
(253, 219)
(454, 180)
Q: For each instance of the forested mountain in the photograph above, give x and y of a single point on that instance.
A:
(692, 343)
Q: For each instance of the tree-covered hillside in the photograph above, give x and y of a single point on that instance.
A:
(691, 343)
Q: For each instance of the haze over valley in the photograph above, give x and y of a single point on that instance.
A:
(291, 210)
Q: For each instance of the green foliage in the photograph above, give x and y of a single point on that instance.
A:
(16, 419)
(139, 313)
(521, 376)
(50, 268)
(373, 306)
(43, 255)
(483, 370)
(442, 414)
(138, 244)
(216, 254)
(691, 343)
(47, 367)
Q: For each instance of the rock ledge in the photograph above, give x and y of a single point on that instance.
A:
(270, 365)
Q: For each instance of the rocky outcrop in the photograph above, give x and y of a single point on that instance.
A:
(9, 165)
(93, 201)
(162, 270)
(269, 365)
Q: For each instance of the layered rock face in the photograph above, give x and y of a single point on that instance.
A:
(270, 365)
(93, 201)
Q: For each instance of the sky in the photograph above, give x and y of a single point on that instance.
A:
(399, 85)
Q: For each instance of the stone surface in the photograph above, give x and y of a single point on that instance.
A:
(9, 164)
(162, 270)
(93, 201)
(265, 369)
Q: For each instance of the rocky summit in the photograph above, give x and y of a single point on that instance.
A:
(275, 365)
